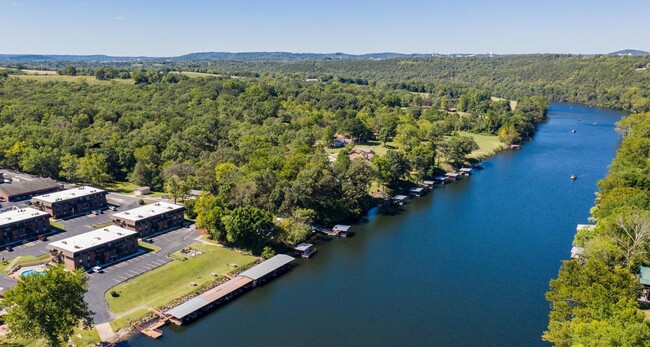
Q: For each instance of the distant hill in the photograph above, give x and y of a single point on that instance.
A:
(632, 52)
(224, 56)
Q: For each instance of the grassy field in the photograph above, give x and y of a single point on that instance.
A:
(121, 187)
(198, 74)
(487, 144)
(376, 146)
(168, 282)
(64, 78)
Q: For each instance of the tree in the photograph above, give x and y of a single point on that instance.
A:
(633, 236)
(48, 306)
(267, 253)
(93, 168)
(391, 167)
(209, 213)
(588, 293)
(146, 170)
(457, 147)
(249, 227)
(293, 231)
(177, 188)
(69, 70)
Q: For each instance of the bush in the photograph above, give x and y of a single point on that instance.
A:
(114, 294)
(140, 202)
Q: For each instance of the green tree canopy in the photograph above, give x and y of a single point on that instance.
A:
(48, 306)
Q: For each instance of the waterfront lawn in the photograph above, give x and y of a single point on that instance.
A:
(168, 282)
(487, 144)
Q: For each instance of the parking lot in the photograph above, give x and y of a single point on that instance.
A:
(100, 283)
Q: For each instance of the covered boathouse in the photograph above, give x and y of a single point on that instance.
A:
(221, 294)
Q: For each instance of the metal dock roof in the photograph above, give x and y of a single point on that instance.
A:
(183, 310)
(263, 269)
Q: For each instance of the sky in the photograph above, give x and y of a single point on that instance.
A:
(172, 28)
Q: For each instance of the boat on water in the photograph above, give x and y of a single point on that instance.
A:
(573, 130)
(573, 177)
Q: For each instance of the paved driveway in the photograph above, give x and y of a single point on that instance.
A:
(99, 284)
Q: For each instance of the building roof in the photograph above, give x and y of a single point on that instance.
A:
(416, 189)
(147, 211)
(400, 197)
(341, 227)
(644, 275)
(18, 215)
(577, 252)
(268, 266)
(69, 194)
(23, 187)
(303, 247)
(442, 178)
(451, 174)
(429, 182)
(183, 310)
(465, 169)
(91, 239)
(587, 226)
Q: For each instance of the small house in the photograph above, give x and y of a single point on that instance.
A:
(305, 250)
(577, 252)
(400, 199)
(589, 227)
(341, 230)
(453, 176)
(358, 153)
(465, 171)
(442, 179)
(417, 191)
(644, 279)
(142, 191)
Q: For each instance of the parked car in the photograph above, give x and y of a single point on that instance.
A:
(147, 240)
(97, 269)
(9, 249)
(112, 208)
(97, 212)
(28, 202)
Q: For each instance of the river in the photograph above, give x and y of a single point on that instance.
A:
(467, 265)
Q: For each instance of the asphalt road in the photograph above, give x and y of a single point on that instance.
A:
(100, 283)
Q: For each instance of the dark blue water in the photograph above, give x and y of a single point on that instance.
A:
(467, 265)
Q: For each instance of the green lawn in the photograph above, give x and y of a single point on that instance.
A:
(168, 282)
(80, 337)
(121, 187)
(4, 268)
(191, 74)
(487, 144)
(57, 225)
(148, 246)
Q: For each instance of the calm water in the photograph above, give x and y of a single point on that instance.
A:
(467, 265)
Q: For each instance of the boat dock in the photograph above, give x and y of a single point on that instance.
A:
(217, 296)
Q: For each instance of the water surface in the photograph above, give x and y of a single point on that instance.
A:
(467, 265)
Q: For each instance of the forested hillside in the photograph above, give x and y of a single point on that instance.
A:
(594, 299)
(251, 143)
(614, 82)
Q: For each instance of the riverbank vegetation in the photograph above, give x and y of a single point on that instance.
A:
(256, 147)
(594, 300)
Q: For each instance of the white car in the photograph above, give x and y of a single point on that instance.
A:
(97, 269)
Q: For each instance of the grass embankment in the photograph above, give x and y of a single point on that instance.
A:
(80, 337)
(4, 268)
(488, 144)
(171, 281)
(57, 225)
(149, 247)
(102, 225)
(73, 79)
